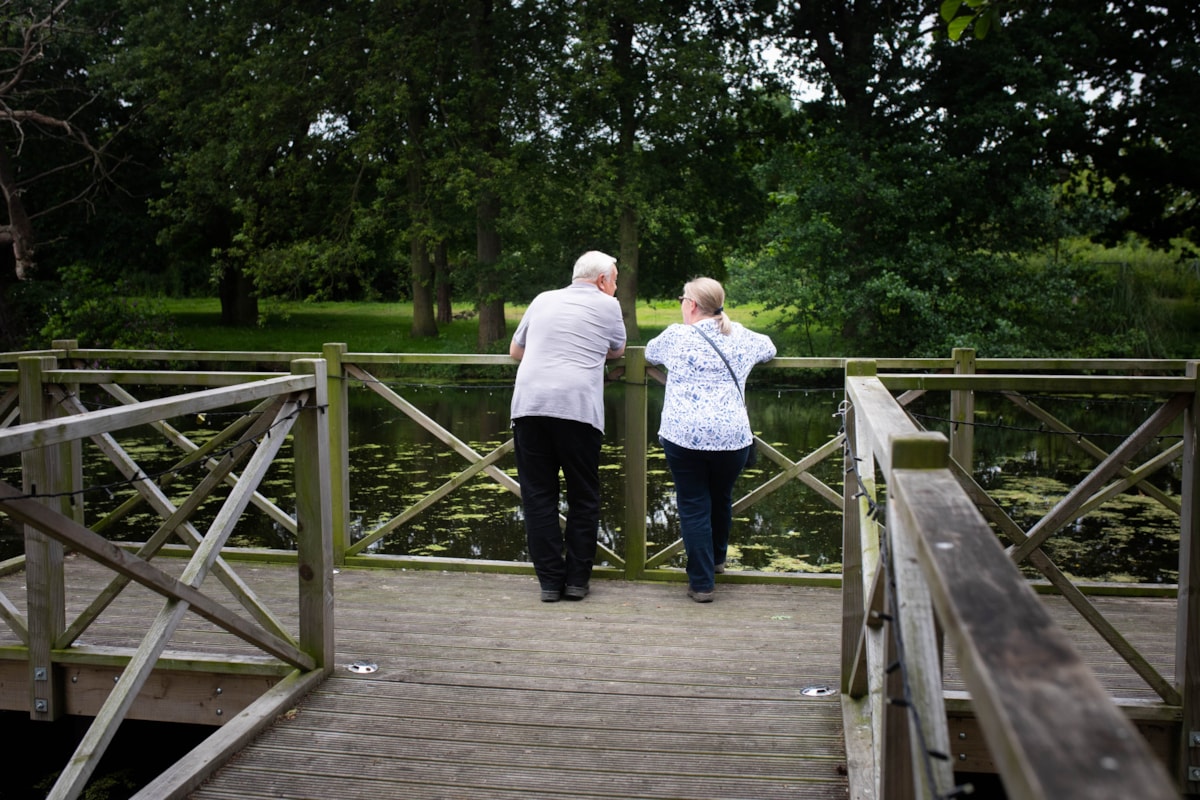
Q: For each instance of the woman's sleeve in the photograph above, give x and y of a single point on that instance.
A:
(656, 348)
(768, 351)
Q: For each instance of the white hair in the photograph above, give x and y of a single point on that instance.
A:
(592, 265)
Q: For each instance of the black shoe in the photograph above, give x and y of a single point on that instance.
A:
(575, 592)
(551, 595)
(701, 597)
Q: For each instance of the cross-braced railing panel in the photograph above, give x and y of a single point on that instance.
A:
(51, 420)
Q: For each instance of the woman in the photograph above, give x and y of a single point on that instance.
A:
(705, 430)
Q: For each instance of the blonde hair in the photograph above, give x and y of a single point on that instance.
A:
(709, 297)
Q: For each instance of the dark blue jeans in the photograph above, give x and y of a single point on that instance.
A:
(544, 445)
(704, 495)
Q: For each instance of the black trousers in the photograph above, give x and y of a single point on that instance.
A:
(544, 446)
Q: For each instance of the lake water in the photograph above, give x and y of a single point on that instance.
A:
(394, 462)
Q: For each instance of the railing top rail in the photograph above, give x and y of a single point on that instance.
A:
(210, 378)
(1125, 365)
(65, 429)
(1080, 384)
(97, 354)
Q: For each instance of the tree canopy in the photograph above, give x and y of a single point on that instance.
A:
(867, 165)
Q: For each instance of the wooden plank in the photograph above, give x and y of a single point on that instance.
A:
(962, 412)
(913, 625)
(708, 671)
(191, 770)
(636, 435)
(194, 451)
(215, 356)
(1087, 610)
(39, 434)
(430, 499)
(46, 612)
(189, 698)
(1087, 446)
(482, 691)
(879, 417)
(314, 520)
(159, 377)
(1187, 619)
(176, 521)
(440, 433)
(1062, 384)
(338, 396)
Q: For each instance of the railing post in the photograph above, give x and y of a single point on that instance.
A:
(45, 584)
(314, 523)
(339, 448)
(1187, 637)
(72, 467)
(854, 583)
(962, 412)
(636, 398)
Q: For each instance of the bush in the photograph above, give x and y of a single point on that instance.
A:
(100, 315)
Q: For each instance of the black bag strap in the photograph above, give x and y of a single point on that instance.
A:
(732, 374)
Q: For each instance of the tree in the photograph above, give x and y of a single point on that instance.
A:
(1134, 71)
(42, 95)
(651, 91)
(903, 202)
(249, 105)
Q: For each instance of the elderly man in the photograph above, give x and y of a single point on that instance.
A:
(557, 415)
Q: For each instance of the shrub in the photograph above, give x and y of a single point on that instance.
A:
(102, 315)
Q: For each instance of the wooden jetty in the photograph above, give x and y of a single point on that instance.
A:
(329, 670)
(465, 685)
(479, 690)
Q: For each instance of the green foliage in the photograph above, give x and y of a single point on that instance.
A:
(99, 314)
(978, 15)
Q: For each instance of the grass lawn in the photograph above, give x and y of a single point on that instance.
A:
(384, 327)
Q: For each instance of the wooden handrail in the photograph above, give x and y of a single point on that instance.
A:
(1052, 730)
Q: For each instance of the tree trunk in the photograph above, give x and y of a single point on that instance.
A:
(239, 301)
(627, 261)
(441, 282)
(487, 250)
(627, 267)
(485, 118)
(19, 231)
(423, 323)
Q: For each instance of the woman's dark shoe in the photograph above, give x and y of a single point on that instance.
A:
(575, 592)
(551, 595)
(719, 568)
(700, 597)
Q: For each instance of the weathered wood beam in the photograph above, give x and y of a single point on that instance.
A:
(30, 436)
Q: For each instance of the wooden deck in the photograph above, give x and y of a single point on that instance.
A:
(483, 691)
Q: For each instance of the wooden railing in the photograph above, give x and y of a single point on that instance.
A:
(940, 533)
(925, 569)
(256, 688)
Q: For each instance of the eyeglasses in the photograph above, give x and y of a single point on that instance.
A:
(685, 297)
